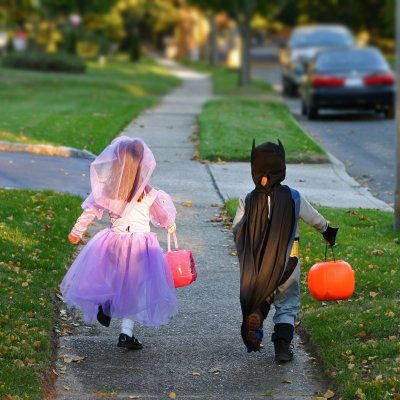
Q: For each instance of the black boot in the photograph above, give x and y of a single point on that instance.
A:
(129, 342)
(103, 318)
(282, 338)
(283, 351)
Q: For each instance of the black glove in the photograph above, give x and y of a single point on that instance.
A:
(330, 235)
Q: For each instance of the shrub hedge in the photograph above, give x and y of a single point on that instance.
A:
(58, 62)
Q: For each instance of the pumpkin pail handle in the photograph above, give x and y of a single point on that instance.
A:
(333, 253)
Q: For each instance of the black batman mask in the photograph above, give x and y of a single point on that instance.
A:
(268, 159)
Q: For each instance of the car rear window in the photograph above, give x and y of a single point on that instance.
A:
(349, 60)
(321, 38)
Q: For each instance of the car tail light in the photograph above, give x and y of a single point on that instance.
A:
(327, 81)
(379, 79)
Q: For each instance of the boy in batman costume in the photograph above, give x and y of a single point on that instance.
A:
(266, 237)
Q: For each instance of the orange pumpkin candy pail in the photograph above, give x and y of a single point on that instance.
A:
(331, 280)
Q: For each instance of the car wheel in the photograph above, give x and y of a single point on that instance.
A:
(284, 86)
(289, 88)
(312, 112)
(389, 112)
(303, 108)
(292, 89)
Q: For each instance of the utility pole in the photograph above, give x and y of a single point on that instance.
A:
(397, 174)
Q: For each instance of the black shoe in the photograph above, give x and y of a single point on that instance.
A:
(252, 332)
(103, 318)
(129, 342)
(283, 351)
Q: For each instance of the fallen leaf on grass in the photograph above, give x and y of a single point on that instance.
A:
(360, 394)
(378, 252)
(373, 294)
(390, 314)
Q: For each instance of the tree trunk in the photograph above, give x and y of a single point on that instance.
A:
(397, 165)
(213, 44)
(245, 30)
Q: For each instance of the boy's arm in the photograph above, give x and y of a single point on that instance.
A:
(239, 213)
(313, 218)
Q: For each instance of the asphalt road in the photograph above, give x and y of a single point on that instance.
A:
(22, 170)
(364, 142)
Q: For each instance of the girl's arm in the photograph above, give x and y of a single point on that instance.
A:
(90, 212)
(162, 210)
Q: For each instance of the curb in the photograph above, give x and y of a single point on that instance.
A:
(340, 170)
(46, 150)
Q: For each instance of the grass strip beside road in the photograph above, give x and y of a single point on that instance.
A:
(357, 340)
(229, 123)
(228, 126)
(84, 111)
(34, 256)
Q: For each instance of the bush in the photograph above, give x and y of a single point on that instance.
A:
(58, 62)
(134, 50)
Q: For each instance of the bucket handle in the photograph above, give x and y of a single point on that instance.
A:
(175, 241)
(333, 253)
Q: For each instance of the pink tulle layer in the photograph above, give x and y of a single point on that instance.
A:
(127, 274)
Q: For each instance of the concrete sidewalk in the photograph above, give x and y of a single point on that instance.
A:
(199, 355)
(322, 184)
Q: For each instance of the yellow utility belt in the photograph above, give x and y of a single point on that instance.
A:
(295, 249)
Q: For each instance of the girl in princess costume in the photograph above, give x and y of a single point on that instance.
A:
(122, 271)
(266, 235)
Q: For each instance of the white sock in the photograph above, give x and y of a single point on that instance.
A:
(127, 326)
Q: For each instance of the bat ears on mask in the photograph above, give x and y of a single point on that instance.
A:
(281, 149)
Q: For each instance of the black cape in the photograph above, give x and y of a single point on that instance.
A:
(262, 243)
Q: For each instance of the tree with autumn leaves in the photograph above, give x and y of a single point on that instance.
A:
(135, 23)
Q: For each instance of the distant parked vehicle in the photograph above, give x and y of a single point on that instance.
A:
(304, 43)
(358, 78)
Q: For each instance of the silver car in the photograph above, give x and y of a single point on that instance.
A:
(304, 43)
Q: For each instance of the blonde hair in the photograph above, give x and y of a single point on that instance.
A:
(125, 172)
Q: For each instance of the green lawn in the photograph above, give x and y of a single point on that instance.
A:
(85, 111)
(229, 123)
(228, 126)
(357, 340)
(34, 255)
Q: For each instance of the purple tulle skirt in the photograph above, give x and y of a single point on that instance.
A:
(127, 274)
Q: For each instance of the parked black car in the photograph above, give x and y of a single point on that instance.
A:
(304, 43)
(358, 78)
